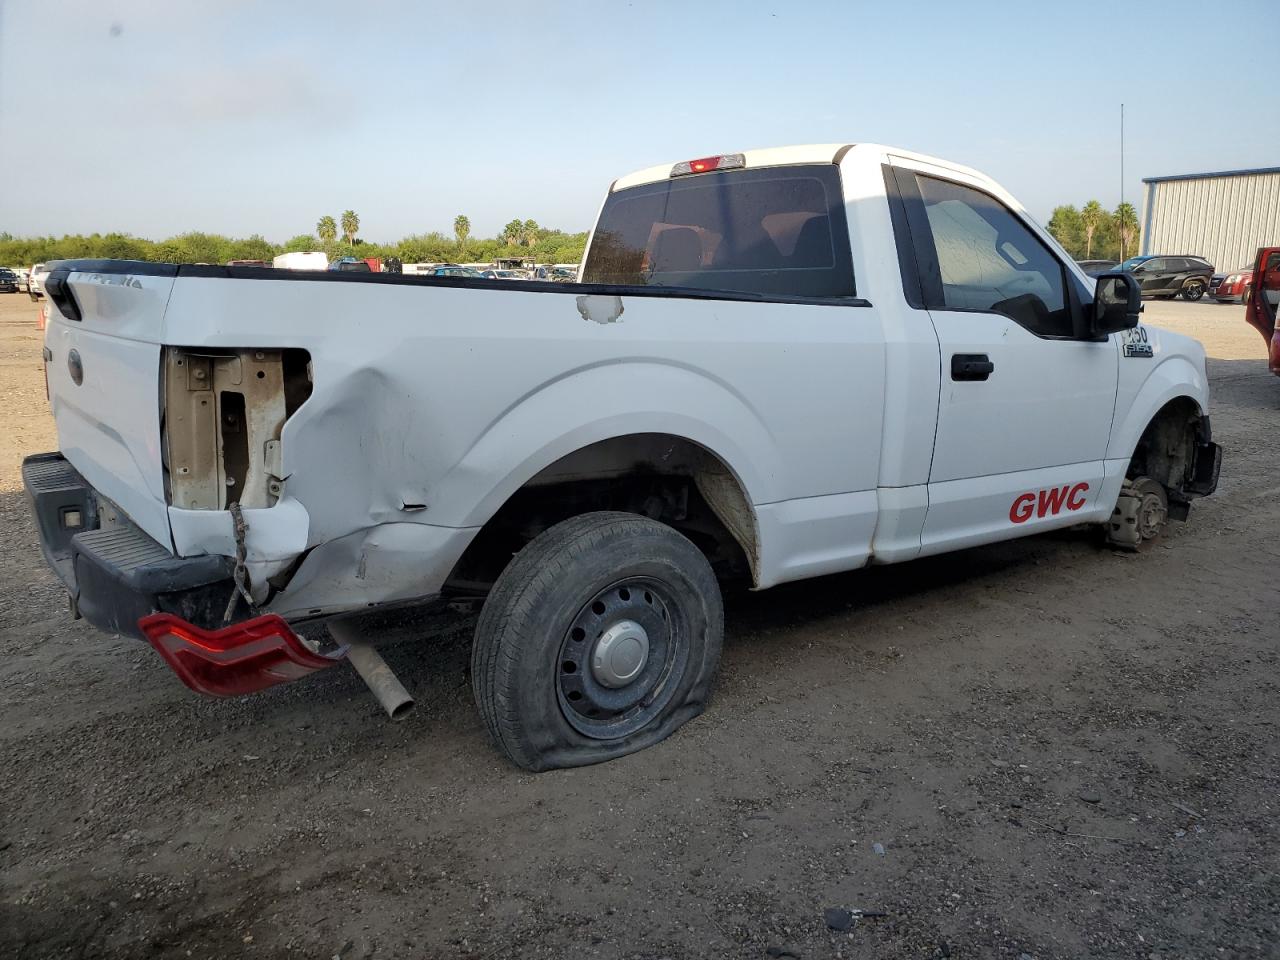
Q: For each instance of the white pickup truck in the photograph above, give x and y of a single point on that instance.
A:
(779, 364)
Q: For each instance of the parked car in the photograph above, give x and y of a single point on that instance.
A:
(1263, 303)
(1169, 276)
(1231, 287)
(504, 275)
(8, 281)
(717, 402)
(21, 273)
(351, 265)
(453, 270)
(1095, 267)
(35, 281)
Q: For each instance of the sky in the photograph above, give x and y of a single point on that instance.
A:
(155, 117)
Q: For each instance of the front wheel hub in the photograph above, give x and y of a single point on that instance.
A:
(1152, 515)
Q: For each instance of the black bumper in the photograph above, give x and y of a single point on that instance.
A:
(116, 574)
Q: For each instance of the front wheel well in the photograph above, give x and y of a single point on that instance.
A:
(1166, 451)
(661, 476)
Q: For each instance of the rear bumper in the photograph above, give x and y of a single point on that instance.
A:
(114, 573)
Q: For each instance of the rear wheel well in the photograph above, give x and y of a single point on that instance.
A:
(664, 477)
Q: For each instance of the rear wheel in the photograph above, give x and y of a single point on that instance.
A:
(1193, 289)
(600, 638)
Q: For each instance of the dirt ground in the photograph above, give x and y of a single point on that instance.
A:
(1035, 749)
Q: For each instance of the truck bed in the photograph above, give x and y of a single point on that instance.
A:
(434, 399)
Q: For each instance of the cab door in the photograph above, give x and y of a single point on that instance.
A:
(1025, 409)
(1264, 297)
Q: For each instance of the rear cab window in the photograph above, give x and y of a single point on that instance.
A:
(778, 232)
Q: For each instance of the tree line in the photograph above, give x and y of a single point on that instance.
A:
(1095, 233)
(1088, 233)
(335, 237)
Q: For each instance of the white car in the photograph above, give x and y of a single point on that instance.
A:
(35, 280)
(778, 364)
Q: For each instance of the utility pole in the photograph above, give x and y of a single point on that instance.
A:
(1122, 247)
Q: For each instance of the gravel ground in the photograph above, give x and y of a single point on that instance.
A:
(1039, 748)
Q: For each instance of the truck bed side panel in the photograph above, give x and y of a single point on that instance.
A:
(432, 404)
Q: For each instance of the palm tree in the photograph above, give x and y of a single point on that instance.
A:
(530, 230)
(461, 228)
(1091, 217)
(513, 233)
(350, 225)
(1127, 224)
(326, 229)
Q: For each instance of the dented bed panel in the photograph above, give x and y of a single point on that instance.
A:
(275, 537)
(430, 405)
(382, 564)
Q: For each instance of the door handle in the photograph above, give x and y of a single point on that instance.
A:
(971, 366)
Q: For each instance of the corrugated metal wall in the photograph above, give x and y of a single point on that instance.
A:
(1223, 219)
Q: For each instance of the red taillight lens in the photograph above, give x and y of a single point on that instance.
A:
(239, 659)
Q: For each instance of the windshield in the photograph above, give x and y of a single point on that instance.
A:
(775, 231)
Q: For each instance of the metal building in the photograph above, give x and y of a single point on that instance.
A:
(1223, 217)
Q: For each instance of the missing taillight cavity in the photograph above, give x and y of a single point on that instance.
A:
(235, 444)
(224, 413)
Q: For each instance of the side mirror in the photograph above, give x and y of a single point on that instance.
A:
(1117, 301)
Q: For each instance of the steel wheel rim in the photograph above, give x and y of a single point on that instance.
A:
(596, 709)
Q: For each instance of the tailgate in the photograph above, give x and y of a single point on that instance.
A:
(103, 363)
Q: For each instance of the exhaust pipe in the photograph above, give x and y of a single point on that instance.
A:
(373, 670)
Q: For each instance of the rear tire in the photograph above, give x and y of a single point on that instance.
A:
(600, 638)
(1193, 289)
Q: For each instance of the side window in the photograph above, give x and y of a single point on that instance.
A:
(989, 261)
(1157, 266)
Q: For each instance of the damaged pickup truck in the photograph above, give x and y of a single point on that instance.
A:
(779, 364)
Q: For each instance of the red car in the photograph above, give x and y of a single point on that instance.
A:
(1264, 301)
(1232, 287)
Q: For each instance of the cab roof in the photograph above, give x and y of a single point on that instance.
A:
(785, 156)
